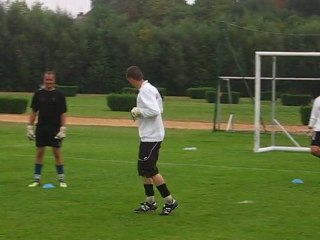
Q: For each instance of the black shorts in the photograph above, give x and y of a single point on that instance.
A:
(45, 136)
(148, 157)
(315, 140)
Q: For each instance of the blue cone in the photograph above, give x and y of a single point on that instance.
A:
(297, 180)
(48, 186)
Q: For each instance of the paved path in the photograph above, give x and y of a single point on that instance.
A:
(23, 118)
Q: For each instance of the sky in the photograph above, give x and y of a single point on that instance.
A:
(71, 6)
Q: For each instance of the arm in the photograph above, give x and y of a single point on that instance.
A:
(32, 117)
(314, 113)
(151, 105)
(63, 119)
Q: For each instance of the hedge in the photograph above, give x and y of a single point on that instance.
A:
(162, 91)
(199, 92)
(121, 102)
(224, 97)
(13, 105)
(295, 100)
(68, 91)
(267, 95)
(305, 112)
(129, 90)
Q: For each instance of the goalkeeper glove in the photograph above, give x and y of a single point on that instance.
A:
(30, 133)
(135, 113)
(62, 133)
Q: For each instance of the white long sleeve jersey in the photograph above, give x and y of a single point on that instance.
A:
(314, 120)
(151, 128)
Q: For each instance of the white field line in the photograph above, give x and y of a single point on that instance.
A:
(15, 146)
(185, 165)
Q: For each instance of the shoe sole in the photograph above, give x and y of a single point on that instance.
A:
(142, 212)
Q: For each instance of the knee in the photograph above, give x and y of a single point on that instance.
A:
(315, 151)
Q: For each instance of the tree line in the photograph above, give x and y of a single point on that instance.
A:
(177, 45)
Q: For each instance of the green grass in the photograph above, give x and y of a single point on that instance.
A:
(181, 108)
(209, 184)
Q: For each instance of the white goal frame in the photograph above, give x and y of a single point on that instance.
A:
(257, 101)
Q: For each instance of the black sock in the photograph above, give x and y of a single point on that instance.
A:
(37, 171)
(164, 191)
(148, 189)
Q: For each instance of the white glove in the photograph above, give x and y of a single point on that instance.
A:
(62, 133)
(30, 133)
(135, 113)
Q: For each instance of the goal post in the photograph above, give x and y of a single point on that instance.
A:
(257, 101)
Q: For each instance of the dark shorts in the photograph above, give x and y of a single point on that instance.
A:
(315, 140)
(148, 157)
(45, 136)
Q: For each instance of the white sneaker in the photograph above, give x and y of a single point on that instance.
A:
(63, 184)
(34, 184)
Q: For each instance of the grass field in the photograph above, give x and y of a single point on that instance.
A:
(226, 192)
(181, 108)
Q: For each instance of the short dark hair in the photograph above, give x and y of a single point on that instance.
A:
(134, 72)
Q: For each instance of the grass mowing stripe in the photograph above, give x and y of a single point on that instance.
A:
(187, 165)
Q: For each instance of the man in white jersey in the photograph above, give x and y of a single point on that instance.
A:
(148, 113)
(314, 125)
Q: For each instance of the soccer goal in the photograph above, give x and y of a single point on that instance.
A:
(257, 102)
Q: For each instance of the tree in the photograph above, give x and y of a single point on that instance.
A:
(312, 7)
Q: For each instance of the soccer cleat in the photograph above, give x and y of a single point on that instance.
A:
(34, 184)
(63, 184)
(168, 208)
(146, 207)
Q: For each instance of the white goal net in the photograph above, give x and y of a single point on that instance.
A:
(276, 125)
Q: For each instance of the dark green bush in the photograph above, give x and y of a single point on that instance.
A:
(295, 100)
(130, 90)
(121, 102)
(68, 91)
(267, 95)
(305, 112)
(162, 91)
(199, 92)
(13, 105)
(235, 97)
(224, 97)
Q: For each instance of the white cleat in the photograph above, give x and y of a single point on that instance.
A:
(34, 184)
(63, 184)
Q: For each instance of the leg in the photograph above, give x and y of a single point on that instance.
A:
(315, 151)
(170, 203)
(38, 166)
(143, 166)
(149, 205)
(162, 187)
(315, 144)
(59, 165)
(148, 189)
(147, 166)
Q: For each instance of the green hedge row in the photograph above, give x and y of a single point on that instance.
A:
(127, 90)
(295, 100)
(267, 95)
(121, 102)
(199, 92)
(211, 97)
(162, 91)
(68, 91)
(305, 112)
(13, 105)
